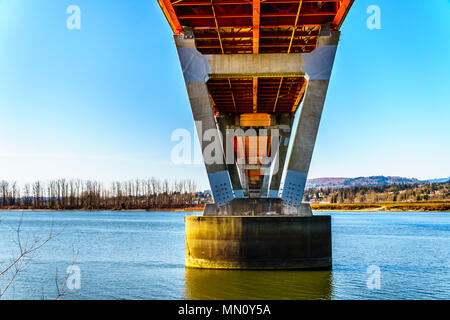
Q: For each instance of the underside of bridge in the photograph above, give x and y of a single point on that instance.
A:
(251, 67)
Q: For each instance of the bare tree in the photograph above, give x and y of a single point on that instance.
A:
(27, 250)
(65, 194)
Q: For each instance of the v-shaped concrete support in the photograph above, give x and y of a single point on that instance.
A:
(318, 66)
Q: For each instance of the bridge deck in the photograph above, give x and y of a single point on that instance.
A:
(274, 94)
(255, 26)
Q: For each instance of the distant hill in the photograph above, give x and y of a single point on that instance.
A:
(365, 181)
(441, 180)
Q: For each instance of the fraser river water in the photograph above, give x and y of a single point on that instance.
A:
(140, 255)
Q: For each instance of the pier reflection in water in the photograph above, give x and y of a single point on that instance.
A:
(257, 284)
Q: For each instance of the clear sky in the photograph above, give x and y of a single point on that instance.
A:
(102, 102)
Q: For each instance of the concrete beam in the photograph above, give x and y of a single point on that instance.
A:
(285, 135)
(255, 63)
(318, 65)
(195, 75)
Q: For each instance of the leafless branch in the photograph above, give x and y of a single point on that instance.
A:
(27, 250)
(61, 289)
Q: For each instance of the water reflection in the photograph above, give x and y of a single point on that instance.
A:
(252, 284)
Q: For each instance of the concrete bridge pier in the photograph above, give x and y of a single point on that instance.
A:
(258, 242)
(250, 226)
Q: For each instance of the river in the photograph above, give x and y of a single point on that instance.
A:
(140, 255)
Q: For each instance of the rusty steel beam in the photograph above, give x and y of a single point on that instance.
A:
(281, 45)
(256, 22)
(213, 104)
(259, 75)
(278, 94)
(304, 14)
(300, 3)
(265, 26)
(221, 47)
(212, 16)
(249, 15)
(299, 97)
(249, 35)
(206, 3)
(255, 94)
(342, 12)
(232, 94)
(249, 46)
(243, 2)
(217, 25)
(171, 16)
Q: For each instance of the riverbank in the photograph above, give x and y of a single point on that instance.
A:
(441, 206)
(189, 209)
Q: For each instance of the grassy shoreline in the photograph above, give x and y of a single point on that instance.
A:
(437, 206)
(199, 208)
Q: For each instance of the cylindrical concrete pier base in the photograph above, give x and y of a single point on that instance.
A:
(258, 242)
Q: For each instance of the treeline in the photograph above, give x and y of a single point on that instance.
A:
(78, 194)
(390, 193)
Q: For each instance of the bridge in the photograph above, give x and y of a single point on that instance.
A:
(251, 67)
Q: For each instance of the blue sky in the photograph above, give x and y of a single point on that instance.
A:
(102, 102)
